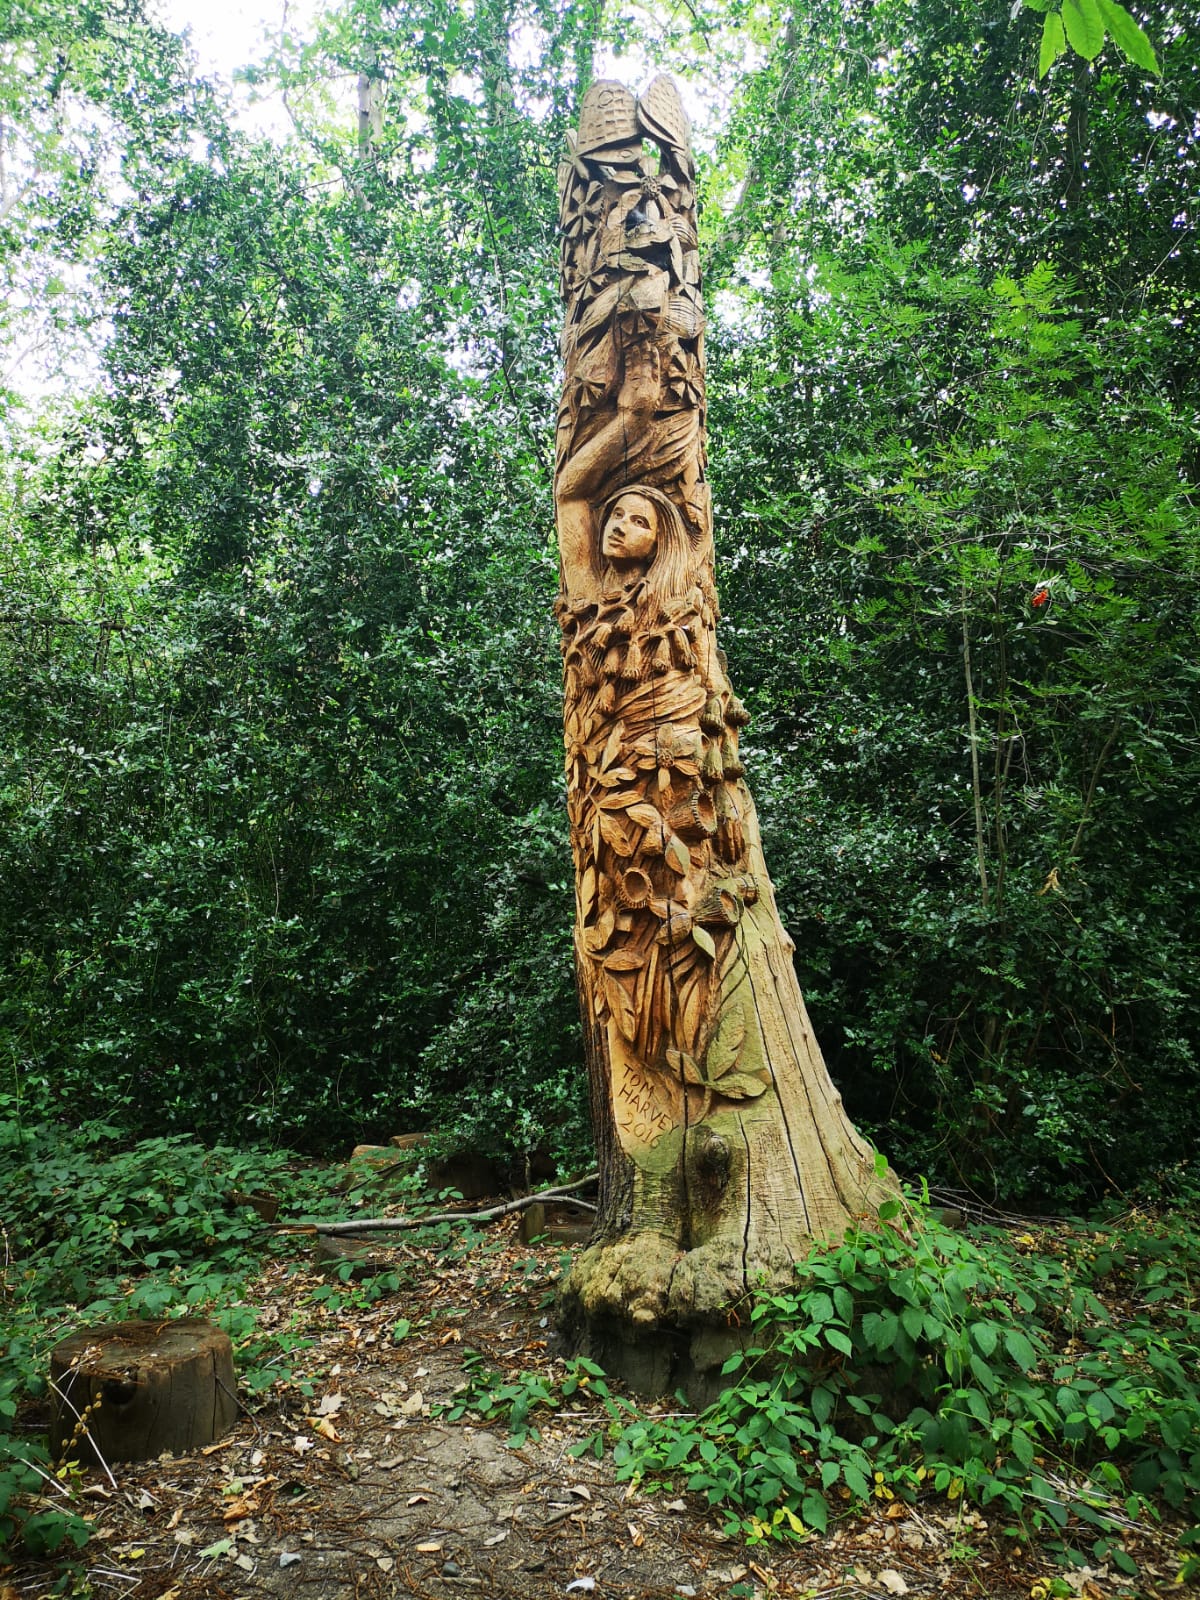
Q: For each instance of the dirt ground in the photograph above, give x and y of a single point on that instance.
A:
(361, 1490)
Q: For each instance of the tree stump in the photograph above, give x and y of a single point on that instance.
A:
(127, 1391)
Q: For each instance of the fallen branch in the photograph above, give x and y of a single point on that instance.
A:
(562, 1193)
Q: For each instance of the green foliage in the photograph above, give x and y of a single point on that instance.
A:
(96, 1230)
(488, 1394)
(282, 829)
(977, 804)
(1084, 24)
(1053, 1378)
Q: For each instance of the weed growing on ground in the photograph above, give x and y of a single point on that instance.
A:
(1053, 1375)
(101, 1230)
(488, 1394)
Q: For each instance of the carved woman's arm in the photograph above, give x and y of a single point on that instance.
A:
(615, 456)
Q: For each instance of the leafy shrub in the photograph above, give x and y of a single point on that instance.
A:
(98, 1228)
(992, 1370)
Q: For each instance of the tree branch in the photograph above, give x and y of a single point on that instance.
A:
(402, 1224)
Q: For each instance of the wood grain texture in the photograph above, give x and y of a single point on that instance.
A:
(127, 1391)
(724, 1148)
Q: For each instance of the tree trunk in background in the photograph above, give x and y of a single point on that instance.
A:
(724, 1149)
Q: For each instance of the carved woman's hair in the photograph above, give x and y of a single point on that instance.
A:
(672, 571)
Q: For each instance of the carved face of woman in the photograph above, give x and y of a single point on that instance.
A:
(630, 532)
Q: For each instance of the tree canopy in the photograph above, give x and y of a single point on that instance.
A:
(283, 831)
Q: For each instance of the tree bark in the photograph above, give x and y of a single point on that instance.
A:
(723, 1146)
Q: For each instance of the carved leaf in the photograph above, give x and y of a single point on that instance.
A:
(643, 813)
(740, 1086)
(705, 940)
(621, 801)
(725, 1051)
(596, 938)
(614, 834)
(679, 858)
(587, 894)
(621, 1005)
(660, 111)
(612, 748)
(693, 1007)
(624, 961)
(685, 1065)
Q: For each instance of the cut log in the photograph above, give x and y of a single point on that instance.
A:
(127, 1391)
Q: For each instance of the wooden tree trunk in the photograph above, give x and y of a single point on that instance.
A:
(130, 1390)
(724, 1149)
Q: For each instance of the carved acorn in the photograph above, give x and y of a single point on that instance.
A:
(736, 714)
(632, 666)
(731, 758)
(712, 718)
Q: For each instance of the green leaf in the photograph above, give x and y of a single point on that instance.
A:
(1053, 42)
(1020, 1349)
(1084, 26)
(839, 1340)
(819, 1308)
(814, 1512)
(822, 1402)
(879, 1329)
(912, 1319)
(855, 1481)
(985, 1336)
(1128, 36)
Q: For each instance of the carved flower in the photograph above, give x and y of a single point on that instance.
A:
(671, 750)
(594, 281)
(685, 379)
(580, 208)
(639, 322)
(589, 390)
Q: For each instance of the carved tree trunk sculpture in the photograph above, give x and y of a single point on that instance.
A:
(724, 1148)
